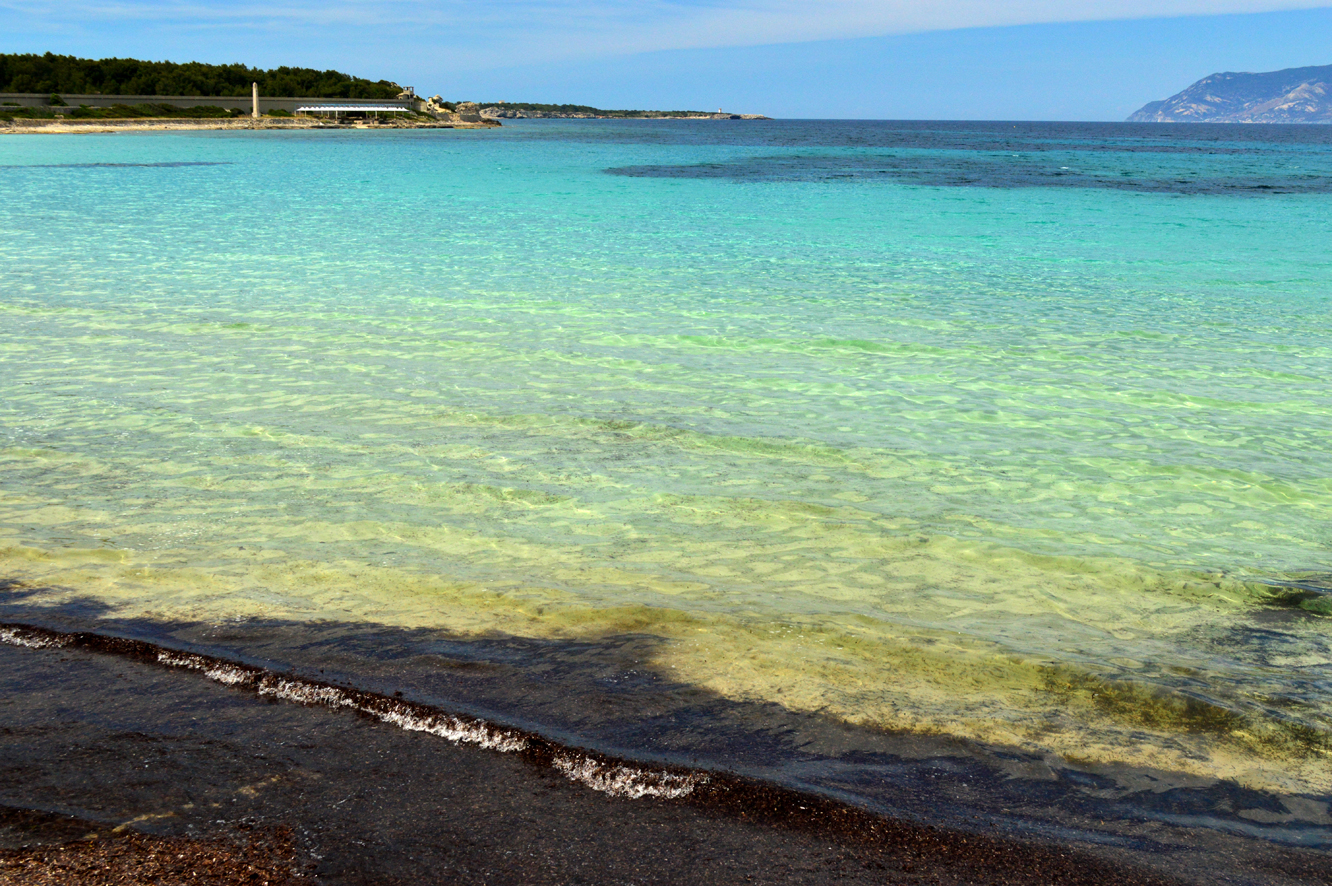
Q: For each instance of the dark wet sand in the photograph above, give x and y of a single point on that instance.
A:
(92, 741)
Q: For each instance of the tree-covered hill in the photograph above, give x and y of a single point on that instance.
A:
(126, 76)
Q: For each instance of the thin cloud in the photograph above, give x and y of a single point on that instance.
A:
(507, 31)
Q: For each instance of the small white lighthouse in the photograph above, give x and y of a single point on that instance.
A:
(254, 94)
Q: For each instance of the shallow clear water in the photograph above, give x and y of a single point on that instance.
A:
(1018, 433)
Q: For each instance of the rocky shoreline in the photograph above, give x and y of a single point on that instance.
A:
(495, 112)
(436, 114)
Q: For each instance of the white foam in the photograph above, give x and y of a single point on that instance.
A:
(306, 693)
(614, 779)
(452, 728)
(228, 674)
(31, 641)
(456, 730)
(627, 781)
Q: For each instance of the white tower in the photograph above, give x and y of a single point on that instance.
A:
(254, 93)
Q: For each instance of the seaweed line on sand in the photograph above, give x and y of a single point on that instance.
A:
(614, 777)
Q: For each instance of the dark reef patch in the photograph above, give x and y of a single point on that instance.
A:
(974, 169)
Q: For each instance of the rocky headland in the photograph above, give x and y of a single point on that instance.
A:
(1294, 95)
(528, 111)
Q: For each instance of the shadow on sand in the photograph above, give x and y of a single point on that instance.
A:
(602, 702)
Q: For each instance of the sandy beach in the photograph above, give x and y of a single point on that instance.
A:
(121, 756)
(65, 127)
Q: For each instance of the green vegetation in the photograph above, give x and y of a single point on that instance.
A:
(587, 109)
(279, 112)
(120, 112)
(126, 76)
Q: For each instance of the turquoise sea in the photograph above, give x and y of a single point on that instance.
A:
(1014, 434)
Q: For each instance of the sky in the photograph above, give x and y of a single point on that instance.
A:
(868, 59)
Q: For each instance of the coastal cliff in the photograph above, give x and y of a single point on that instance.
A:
(1294, 95)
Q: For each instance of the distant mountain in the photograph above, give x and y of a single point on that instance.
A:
(1295, 95)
